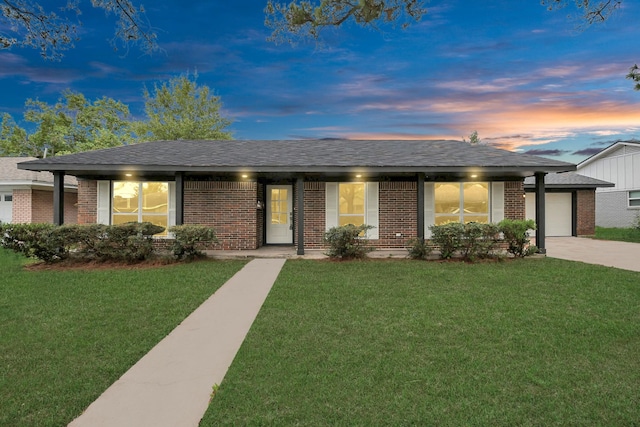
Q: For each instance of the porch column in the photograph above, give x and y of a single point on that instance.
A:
(58, 198)
(540, 213)
(420, 206)
(300, 206)
(179, 198)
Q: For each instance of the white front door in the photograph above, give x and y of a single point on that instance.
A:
(279, 208)
(6, 207)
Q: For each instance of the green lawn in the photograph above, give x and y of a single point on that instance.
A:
(66, 336)
(532, 342)
(620, 234)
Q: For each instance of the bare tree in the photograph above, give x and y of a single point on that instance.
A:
(29, 24)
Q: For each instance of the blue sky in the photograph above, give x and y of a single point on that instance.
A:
(525, 78)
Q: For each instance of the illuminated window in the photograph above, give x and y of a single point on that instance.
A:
(141, 202)
(279, 205)
(461, 202)
(351, 209)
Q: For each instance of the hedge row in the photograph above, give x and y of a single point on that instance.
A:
(128, 242)
(474, 240)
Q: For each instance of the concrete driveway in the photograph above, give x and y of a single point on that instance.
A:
(602, 252)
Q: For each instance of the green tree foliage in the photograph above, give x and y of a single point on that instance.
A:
(302, 18)
(71, 125)
(634, 74)
(27, 23)
(307, 18)
(13, 138)
(182, 109)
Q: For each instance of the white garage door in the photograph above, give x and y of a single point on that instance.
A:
(6, 204)
(558, 213)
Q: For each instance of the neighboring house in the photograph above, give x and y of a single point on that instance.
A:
(570, 207)
(617, 206)
(27, 196)
(290, 192)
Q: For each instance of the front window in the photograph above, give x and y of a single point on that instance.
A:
(634, 199)
(461, 202)
(141, 202)
(351, 209)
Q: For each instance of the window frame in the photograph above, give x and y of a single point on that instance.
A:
(633, 198)
(104, 208)
(461, 214)
(371, 206)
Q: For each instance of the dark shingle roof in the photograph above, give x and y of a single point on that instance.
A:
(298, 156)
(568, 180)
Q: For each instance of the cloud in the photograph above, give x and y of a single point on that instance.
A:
(587, 151)
(547, 152)
(16, 66)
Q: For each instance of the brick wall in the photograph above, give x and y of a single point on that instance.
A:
(586, 212)
(21, 209)
(87, 201)
(229, 207)
(514, 201)
(398, 213)
(314, 215)
(36, 206)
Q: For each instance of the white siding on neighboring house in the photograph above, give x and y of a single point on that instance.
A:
(619, 165)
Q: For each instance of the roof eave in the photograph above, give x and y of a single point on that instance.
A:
(100, 169)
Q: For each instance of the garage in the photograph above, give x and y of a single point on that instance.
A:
(6, 206)
(570, 206)
(558, 213)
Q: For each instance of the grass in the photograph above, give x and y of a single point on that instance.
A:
(619, 234)
(532, 342)
(65, 336)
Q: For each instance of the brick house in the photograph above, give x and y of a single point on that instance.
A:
(570, 201)
(257, 193)
(27, 196)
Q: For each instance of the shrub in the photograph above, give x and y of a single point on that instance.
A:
(131, 241)
(636, 222)
(448, 237)
(419, 248)
(49, 243)
(345, 242)
(516, 234)
(40, 241)
(189, 238)
(478, 240)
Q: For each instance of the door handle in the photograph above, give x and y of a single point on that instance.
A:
(291, 220)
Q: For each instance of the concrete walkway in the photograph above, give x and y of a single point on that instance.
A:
(171, 385)
(622, 255)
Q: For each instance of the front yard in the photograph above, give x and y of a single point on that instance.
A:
(386, 342)
(65, 336)
(531, 342)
